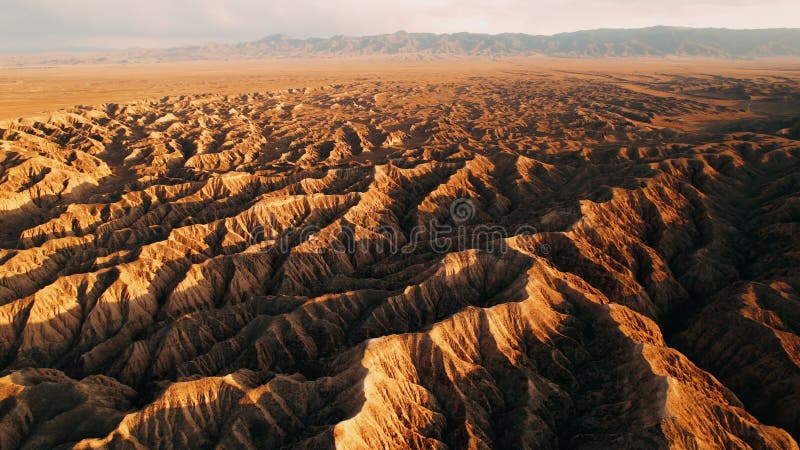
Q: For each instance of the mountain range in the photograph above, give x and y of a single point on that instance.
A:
(644, 42)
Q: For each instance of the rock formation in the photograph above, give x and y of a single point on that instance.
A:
(503, 262)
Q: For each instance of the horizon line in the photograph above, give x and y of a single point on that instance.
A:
(89, 49)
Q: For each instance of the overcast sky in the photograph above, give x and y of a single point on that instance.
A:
(60, 24)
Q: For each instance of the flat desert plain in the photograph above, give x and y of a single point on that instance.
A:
(27, 91)
(516, 253)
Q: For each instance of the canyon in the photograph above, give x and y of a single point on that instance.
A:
(524, 256)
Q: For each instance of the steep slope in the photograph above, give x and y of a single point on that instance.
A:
(520, 261)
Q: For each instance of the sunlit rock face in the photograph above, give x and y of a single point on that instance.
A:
(537, 261)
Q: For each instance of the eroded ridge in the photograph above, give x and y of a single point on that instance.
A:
(261, 271)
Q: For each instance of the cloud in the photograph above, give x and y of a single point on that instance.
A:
(27, 24)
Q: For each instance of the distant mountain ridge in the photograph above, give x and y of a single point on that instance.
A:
(653, 41)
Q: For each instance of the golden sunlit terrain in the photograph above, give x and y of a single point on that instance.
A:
(445, 253)
(38, 90)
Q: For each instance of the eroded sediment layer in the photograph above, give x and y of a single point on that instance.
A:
(261, 270)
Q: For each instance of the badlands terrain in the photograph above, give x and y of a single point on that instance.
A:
(526, 254)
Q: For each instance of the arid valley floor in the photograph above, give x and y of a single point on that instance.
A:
(529, 253)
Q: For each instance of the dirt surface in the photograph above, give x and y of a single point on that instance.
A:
(33, 91)
(511, 254)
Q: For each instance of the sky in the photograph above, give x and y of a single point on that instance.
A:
(71, 24)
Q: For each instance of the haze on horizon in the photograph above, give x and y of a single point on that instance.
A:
(33, 25)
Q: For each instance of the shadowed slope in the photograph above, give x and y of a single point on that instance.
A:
(264, 270)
